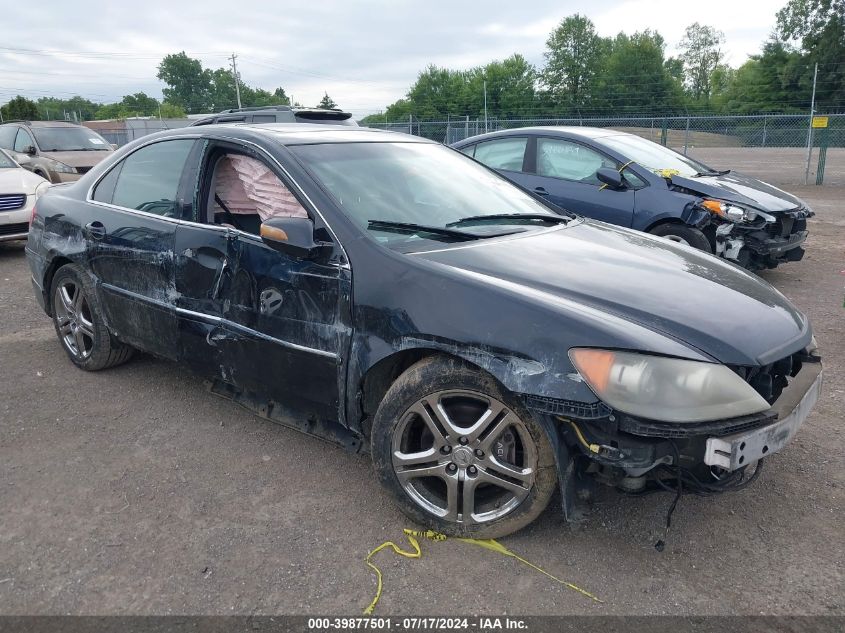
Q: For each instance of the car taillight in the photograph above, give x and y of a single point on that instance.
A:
(32, 215)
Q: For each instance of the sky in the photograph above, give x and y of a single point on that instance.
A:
(365, 54)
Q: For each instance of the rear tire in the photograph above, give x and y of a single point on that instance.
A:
(461, 455)
(77, 317)
(683, 234)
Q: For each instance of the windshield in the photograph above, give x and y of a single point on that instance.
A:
(420, 184)
(5, 161)
(653, 156)
(68, 139)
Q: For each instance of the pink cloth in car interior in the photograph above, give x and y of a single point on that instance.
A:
(247, 186)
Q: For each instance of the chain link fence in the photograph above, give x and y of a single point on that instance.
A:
(771, 146)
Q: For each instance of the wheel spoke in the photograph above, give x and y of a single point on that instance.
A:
(491, 478)
(468, 509)
(421, 410)
(85, 326)
(67, 300)
(452, 487)
(499, 428)
(77, 298)
(524, 475)
(437, 470)
(64, 324)
(414, 459)
(79, 340)
(490, 416)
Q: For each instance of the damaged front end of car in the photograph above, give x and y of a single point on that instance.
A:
(753, 238)
(676, 425)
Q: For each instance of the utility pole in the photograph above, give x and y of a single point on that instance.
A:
(237, 79)
(485, 105)
(810, 130)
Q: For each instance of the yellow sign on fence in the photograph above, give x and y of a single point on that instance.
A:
(819, 121)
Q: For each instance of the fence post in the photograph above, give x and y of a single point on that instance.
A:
(822, 155)
(765, 120)
(686, 137)
(410, 124)
(664, 132)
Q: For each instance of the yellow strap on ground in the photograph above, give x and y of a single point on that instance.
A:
(431, 535)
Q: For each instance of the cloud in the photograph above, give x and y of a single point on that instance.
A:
(364, 54)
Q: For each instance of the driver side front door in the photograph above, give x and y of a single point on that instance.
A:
(565, 172)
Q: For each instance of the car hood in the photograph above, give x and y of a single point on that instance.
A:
(79, 159)
(720, 309)
(19, 180)
(741, 189)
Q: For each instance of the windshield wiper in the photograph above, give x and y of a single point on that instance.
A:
(712, 173)
(410, 227)
(544, 217)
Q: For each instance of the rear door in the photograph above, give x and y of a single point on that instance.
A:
(135, 209)
(564, 171)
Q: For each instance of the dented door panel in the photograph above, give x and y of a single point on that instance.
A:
(202, 267)
(131, 256)
(285, 327)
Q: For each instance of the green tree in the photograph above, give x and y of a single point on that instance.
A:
(170, 111)
(20, 108)
(820, 27)
(511, 89)
(636, 78)
(701, 55)
(573, 60)
(188, 84)
(327, 102)
(52, 108)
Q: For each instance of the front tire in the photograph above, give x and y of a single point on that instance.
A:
(79, 324)
(683, 234)
(459, 454)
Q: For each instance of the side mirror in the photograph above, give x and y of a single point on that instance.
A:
(611, 178)
(294, 237)
(114, 146)
(29, 150)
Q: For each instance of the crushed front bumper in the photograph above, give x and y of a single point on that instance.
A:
(764, 246)
(736, 451)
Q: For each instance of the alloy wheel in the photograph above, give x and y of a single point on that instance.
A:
(73, 318)
(464, 457)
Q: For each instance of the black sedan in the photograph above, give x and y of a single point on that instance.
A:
(390, 294)
(632, 182)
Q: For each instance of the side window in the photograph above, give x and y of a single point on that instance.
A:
(564, 159)
(469, 150)
(23, 140)
(7, 136)
(149, 178)
(245, 192)
(502, 153)
(264, 118)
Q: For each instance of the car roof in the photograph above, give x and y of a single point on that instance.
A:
(304, 133)
(569, 131)
(50, 124)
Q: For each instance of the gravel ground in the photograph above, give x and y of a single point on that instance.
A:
(132, 491)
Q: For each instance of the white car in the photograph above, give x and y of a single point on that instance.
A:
(19, 189)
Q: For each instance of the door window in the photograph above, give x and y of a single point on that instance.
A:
(503, 153)
(570, 161)
(7, 136)
(23, 140)
(148, 179)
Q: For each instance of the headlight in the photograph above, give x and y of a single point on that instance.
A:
(666, 389)
(62, 168)
(729, 211)
(41, 189)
